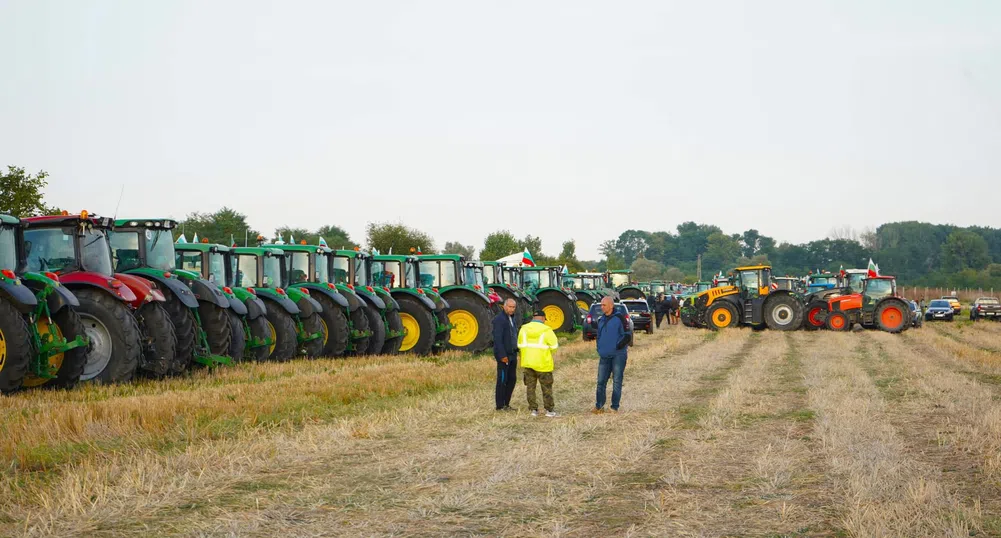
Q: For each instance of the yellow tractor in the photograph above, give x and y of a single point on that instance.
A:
(751, 299)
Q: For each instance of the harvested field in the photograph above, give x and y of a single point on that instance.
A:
(731, 434)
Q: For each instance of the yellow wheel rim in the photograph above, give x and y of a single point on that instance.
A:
(3, 350)
(465, 328)
(326, 332)
(722, 318)
(411, 331)
(580, 304)
(554, 316)
(274, 338)
(55, 361)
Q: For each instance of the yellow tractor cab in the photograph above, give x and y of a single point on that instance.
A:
(749, 299)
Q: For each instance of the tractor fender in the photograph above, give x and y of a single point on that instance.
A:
(57, 299)
(373, 300)
(255, 308)
(420, 297)
(174, 286)
(340, 299)
(387, 298)
(19, 295)
(308, 306)
(208, 292)
(464, 292)
(237, 306)
(280, 300)
(144, 290)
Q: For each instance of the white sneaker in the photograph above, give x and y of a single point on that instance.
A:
(535, 412)
(551, 414)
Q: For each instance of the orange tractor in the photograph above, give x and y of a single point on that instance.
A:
(877, 306)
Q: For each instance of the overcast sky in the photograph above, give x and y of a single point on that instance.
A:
(561, 119)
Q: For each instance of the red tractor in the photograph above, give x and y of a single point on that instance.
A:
(123, 315)
(877, 306)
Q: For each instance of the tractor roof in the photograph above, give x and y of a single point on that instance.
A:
(882, 277)
(299, 248)
(257, 251)
(621, 271)
(7, 219)
(856, 271)
(54, 221)
(752, 267)
(443, 257)
(202, 247)
(145, 223)
(351, 253)
(395, 257)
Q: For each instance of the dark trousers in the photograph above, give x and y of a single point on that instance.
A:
(614, 367)
(545, 379)
(660, 317)
(507, 378)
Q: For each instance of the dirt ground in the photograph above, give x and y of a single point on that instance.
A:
(737, 433)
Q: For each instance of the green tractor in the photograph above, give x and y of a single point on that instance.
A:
(619, 280)
(42, 338)
(470, 310)
(352, 270)
(559, 303)
(423, 312)
(506, 282)
(198, 309)
(589, 288)
(349, 325)
(213, 262)
(293, 316)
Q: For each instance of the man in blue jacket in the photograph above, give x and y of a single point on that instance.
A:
(506, 355)
(612, 342)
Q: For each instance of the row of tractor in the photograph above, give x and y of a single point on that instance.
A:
(751, 296)
(98, 299)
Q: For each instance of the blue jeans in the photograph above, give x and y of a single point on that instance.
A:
(613, 366)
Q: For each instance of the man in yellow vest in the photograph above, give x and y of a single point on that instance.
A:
(536, 343)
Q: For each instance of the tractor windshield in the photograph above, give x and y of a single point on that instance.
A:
(298, 267)
(437, 274)
(8, 249)
(272, 271)
(537, 279)
(187, 260)
(125, 250)
(573, 282)
(751, 283)
(388, 274)
(512, 276)
(657, 288)
(159, 249)
(702, 286)
(490, 274)
(856, 281)
(878, 288)
(217, 268)
(472, 276)
(619, 279)
(320, 263)
(341, 269)
(363, 271)
(246, 271)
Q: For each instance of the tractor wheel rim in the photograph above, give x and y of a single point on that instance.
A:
(813, 315)
(782, 315)
(465, 328)
(3, 350)
(554, 316)
(274, 338)
(411, 331)
(891, 317)
(56, 361)
(722, 317)
(837, 322)
(326, 331)
(101, 346)
(583, 305)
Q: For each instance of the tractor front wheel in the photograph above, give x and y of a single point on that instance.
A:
(313, 324)
(284, 341)
(336, 322)
(159, 340)
(69, 364)
(260, 331)
(378, 328)
(837, 321)
(783, 312)
(470, 321)
(215, 322)
(15, 347)
(238, 338)
(816, 314)
(359, 322)
(418, 322)
(392, 345)
(891, 315)
(721, 315)
(184, 330)
(115, 342)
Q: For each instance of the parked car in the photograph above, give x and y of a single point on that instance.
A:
(917, 318)
(957, 306)
(939, 309)
(591, 320)
(985, 307)
(639, 313)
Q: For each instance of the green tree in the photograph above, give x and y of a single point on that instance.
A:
(645, 270)
(613, 262)
(964, 249)
(399, 238)
(295, 235)
(454, 247)
(722, 252)
(218, 227)
(673, 274)
(533, 245)
(499, 244)
(21, 194)
(335, 236)
(568, 257)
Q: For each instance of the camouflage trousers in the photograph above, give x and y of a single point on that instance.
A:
(546, 380)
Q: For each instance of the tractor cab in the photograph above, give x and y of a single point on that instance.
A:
(395, 272)
(68, 243)
(785, 282)
(209, 260)
(618, 278)
(822, 281)
(143, 243)
(854, 280)
(9, 244)
(537, 278)
(702, 286)
(658, 287)
(259, 267)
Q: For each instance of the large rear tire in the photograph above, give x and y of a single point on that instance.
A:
(470, 321)
(184, 330)
(378, 328)
(336, 322)
(359, 322)
(238, 338)
(837, 321)
(215, 323)
(392, 345)
(115, 343)
(15, 347)
(313, 324)
(560, 311)
(892, 315)
(783, 312)
(160, 342)
(721, 315)
(261, 330)
(815, 315)
(418, 322)
(283, 335)
(69, 363)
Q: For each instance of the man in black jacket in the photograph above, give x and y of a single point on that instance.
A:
(506, 355)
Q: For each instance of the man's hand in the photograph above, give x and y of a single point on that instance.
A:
(504, 360)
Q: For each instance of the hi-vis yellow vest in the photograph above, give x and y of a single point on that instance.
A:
(536, 342)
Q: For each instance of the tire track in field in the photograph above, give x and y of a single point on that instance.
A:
(957, 355)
